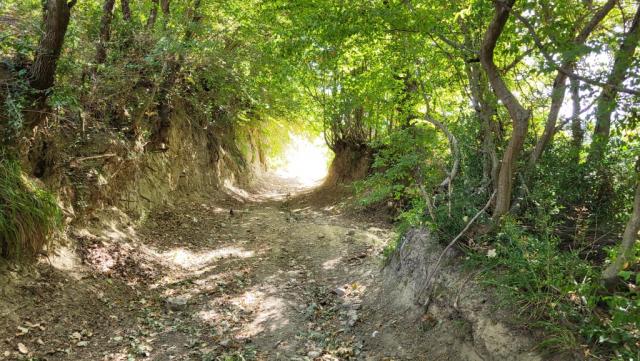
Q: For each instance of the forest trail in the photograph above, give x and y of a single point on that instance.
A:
(277, 278)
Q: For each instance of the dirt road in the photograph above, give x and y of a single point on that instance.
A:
(270, 277)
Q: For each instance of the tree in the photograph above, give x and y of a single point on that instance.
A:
(518, 114)
(56, 20)
(105, 31)
(171, 73)
(626, 251)
(559, 84)
(485, 109)
(126, 10)
(153, 14)
(606, 102)
(577, 131)
(164, 4)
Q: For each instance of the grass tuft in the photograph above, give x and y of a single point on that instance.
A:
(28, 214)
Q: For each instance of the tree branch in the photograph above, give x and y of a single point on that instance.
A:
(564, 69)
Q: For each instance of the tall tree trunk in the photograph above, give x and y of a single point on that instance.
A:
(485, 111)
(195, 17)
(405, 104)
(577, 133)
(559, 85)
(105, 31)
(629, 238)
(485, 108)
(518, 114)
(126, 10)
(56, 19)
(606, 102)
(164, 4)
(153, 14)
(557, 98)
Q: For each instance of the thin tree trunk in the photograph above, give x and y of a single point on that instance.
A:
(577, 133)
(153, 14)
(559, 85)
(518, 114)
(105, 31)
(485, 112)
(164, 4)
(606, 102)
(56, 19)
(557, 98)
(126, 10)
(629, 238)
(195, 16)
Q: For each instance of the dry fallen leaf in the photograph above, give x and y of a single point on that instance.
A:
(23, 349)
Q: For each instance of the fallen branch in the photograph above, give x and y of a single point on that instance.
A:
(451, 244)
(74, 162)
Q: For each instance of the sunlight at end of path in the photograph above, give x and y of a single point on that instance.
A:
(305, 160)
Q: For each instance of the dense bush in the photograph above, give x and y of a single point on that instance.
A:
(402, 164)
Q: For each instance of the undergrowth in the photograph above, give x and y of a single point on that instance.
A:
(544, 263)
(559, 291)
(28, 214)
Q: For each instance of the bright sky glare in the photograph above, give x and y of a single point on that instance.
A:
(305, 160)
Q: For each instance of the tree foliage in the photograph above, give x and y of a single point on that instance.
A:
(539, 97)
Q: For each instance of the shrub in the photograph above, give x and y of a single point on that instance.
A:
(28, 214)
(401, 158)
(559, 291)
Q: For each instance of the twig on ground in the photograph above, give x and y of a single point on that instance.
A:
(78, 160)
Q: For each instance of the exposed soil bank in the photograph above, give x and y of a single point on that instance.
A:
(350, 163)
(461, 321)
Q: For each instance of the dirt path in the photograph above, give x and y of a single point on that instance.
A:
(273, 279)
(280, 282)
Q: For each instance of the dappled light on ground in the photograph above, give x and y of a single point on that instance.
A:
(272, 280)
(331, 264)
(304, 161)
(195, 260)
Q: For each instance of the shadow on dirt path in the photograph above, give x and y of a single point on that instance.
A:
(265, 276)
